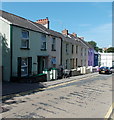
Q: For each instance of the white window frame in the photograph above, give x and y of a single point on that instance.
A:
(25, 39)
(24, 66)
(72, 49)
(85, 51)
(43, 41)
(76, 49)
(53, 44)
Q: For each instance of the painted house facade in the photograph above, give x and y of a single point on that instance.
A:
(90, 56)
(96, 58)
(74, 52)
(30, 47)
(27, 47)
(107, 59)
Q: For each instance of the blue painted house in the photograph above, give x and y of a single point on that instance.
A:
(96, 56)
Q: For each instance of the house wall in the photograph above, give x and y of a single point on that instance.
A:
(107, 59)
(68, 56)
(83, 56)
(35, 49)
(90, 57)
(56, 53)
(5, 62)
(0, 53)
(95, 59)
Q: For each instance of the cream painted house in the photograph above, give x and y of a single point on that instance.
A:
(74, 51)
(28, 47)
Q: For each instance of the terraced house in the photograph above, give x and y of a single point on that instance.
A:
(28, 47)
(74, 52)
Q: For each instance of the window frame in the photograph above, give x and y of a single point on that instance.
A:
(43, 42)
(25, 39)
(26, 66)
(76, 49)
(53, 44)
(72, 49)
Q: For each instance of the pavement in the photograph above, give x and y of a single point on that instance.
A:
(9, 88)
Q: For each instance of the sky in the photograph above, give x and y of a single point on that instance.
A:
(91, 20)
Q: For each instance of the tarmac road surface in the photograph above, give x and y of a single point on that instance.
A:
(89, 97)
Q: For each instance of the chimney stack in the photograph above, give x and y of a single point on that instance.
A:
(82, 38)
(74, 34)
(65, 32)
(44, 22)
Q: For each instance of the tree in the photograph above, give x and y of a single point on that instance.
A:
(94, 45)
(109, 50)
(100, 50)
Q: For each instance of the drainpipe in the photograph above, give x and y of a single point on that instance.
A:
(11, 36)
(61, 51)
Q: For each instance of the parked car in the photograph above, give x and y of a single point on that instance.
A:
(105, 70)
(112, 69)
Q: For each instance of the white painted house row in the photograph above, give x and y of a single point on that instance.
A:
(28, 47)
(107, 59)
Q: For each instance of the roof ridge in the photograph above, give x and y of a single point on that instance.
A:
(37, 26)
(13, 14)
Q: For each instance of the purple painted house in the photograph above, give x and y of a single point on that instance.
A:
(90, 55)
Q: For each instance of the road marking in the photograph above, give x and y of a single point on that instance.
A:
(58, 84)
(69, 82)
(109, 111)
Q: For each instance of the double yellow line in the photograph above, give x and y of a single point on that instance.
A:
(61, 84)
(109, 111)
(40, 89)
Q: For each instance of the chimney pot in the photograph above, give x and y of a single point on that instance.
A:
(44, 22)
(74, 34)
(65, 32)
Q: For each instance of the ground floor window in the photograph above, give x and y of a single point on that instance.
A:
(66, 66)
(76, 62)
(73, 63)
(24, 66)
(53, 61)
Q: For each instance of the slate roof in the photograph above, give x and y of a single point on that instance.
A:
(90, 46)
(21, 22)
(51, 32)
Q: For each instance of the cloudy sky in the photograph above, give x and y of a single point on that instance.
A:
(92, 20)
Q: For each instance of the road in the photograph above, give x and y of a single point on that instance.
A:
(89, 97)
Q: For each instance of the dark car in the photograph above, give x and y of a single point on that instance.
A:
(112, 69)
(105, 70)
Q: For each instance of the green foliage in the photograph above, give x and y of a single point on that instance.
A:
(109, 50)
(94, 45)
(100, 50)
